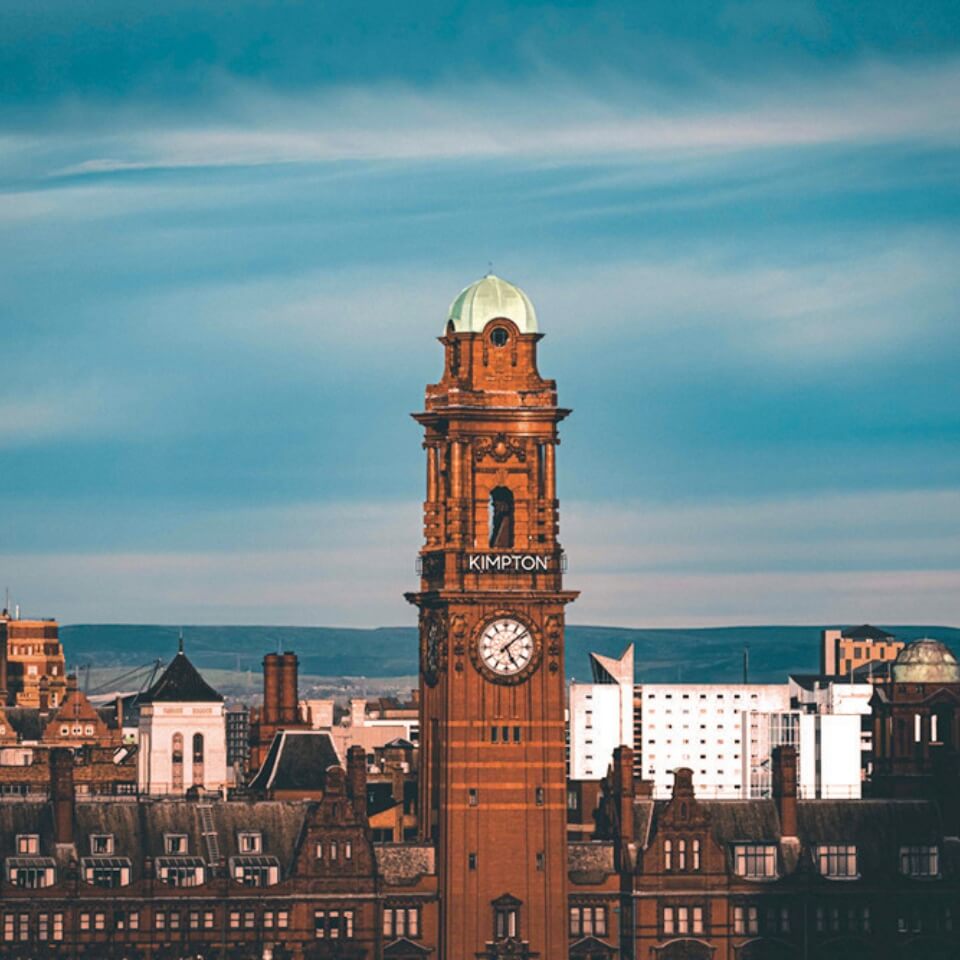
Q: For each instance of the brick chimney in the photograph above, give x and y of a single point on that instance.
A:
(357, 778)
(289, 696)
(44, 693)
(62, 794)
(623, 790)
(785, 788)
(270, 714)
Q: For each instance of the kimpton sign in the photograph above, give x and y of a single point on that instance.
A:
(507, 563)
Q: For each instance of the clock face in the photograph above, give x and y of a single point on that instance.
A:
(506, 647)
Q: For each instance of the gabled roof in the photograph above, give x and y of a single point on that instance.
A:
(181, 683)
(591, 947)
(867, 632)
(297, 760)
(402, 947)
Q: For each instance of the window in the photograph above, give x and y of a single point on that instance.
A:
(347, 849)
(501, 518)
(250, 842)
(695, 855)
(43, 926)
(198, 748)
(681, 854)
(180, 871)
(473, 798)
(58, 926)
(471, 861)
(837, 861)
(682, 920)
(101, 844)
(499, 336)
(668, 855)
(234, 919)
(175, 842)
(249, 920)
(920, 861)
(208, 920)
(755, 861)
(31, 873)
(541, 860)
(108, 872)
(333, 924)
(160, 920)
(28, 844)
(194, 920)
(588, 921)
(401, 922)
(746, 921)
(539, 796)
(505, 922)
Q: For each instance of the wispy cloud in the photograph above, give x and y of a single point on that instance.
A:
(874, 102)
(59, 412)
(885, 557)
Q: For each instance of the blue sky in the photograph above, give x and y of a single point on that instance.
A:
(229, 234)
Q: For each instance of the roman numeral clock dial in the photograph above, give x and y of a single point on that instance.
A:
(506, 650)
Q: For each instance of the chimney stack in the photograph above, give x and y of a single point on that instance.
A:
(623, 790)
(270, 714)
(357, 778)
(289, 696)
(44, 688)
(785, 787)
(62, 794)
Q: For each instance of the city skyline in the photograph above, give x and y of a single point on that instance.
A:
(229, 242)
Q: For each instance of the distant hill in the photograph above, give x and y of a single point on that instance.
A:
(695, 655)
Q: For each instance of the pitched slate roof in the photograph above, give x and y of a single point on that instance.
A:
(297, 760)
(867, 632)
(181, 683)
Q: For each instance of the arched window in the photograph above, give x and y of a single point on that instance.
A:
(198, 748)
(501, 519)
(176, 763)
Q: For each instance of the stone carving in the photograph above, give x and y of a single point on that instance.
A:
(501, 448)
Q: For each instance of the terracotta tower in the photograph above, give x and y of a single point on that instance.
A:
(492, 783)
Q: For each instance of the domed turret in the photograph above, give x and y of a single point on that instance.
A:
(926, 661)
(488, 299)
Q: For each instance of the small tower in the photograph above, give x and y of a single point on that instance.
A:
(183, 741)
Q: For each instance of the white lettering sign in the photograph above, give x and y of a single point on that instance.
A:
(507, 563)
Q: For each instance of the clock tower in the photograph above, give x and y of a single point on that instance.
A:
(491, 600)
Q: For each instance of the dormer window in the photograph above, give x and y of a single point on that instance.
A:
(175, 843)
(837, 861)
(755, 861)
(250, 842)
(28, 844)
(920, 861)
(101, 844)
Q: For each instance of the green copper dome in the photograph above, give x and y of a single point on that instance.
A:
(926, 661)
(488, 299)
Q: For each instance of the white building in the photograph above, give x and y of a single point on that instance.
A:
(706, 727)
(724, 732)
(601, 715)
(182, 733)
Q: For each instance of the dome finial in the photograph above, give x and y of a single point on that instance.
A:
(489, 272)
